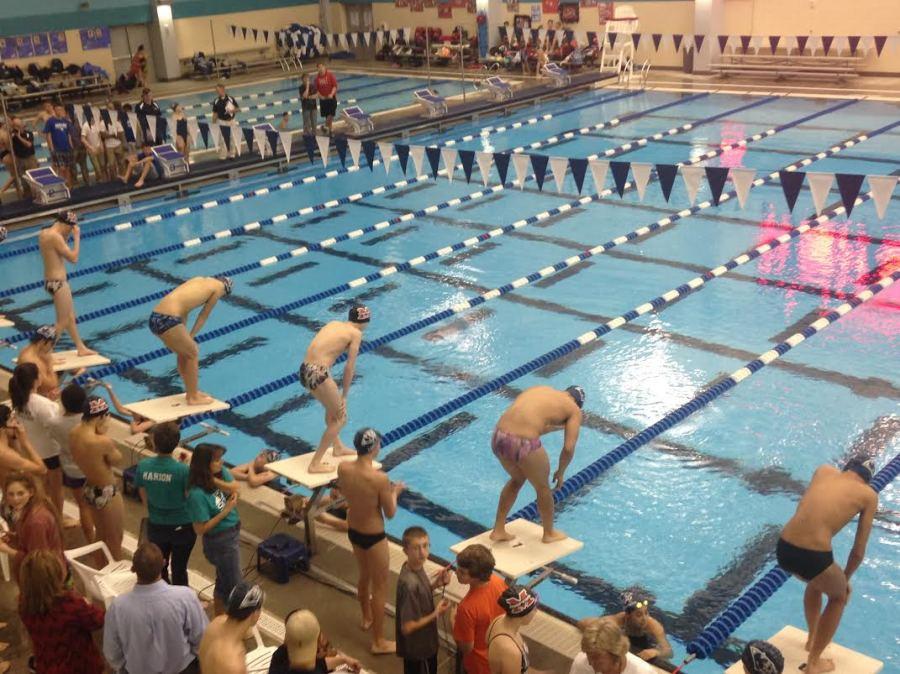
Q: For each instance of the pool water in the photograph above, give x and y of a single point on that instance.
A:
(692, 517)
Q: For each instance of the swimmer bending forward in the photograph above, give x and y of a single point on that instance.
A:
(517, 444)
(169, 322)
(315, 376)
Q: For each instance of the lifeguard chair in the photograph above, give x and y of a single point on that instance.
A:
(616, 55)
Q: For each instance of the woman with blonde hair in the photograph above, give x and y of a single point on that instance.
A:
(35, 521)
(605, 651)
(59, 621)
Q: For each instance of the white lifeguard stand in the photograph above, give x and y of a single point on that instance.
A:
(47, 187)
(620, 56)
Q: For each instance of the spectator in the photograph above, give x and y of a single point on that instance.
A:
(417, 616)
(182, 142)
(214, 517)
(113, 135)
(138, 69)
(16, 453)
(58, 132)
(326, 88)
(254, 472)
(35, 521)
(511, 654)
(79, 155)
(300, 652)
(475, 568)
(163, 484)
(761, 657)
(308, 104)
(59, 621)
(6, 156)
(36, 414)
(23, 148)
(156, 627)
(645, 633)
(605, 651)
(73, 399)
(222, 649)
(92, 142)
(224, 109)
(143, 159)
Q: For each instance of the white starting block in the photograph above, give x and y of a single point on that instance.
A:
(66, 361)
(6, 323)
(559, 77)
(47, 187)
(434, 104)
(358, 120)
(791, 641)
(171, 162)
(172, 408)
(499, 88)
(524, 554)
(266, 128)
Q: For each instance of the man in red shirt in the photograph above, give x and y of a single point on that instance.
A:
(475, 568)
(326, 85)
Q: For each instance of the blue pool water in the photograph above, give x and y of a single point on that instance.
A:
(693, 517)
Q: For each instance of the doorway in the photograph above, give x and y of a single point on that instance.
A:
(124, 41)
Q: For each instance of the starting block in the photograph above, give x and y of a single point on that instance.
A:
(172, 408)
(791, 641)
(171, 162)
(47, 187)
(524, 554)
(65, 361)
(6, 323)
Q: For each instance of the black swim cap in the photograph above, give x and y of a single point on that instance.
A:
(365, 440)
(45, 333)
(68, 217)
(518, 601)
(360, 314)
(863, 466)
(94, 407)
(761, 657)
(577, 394)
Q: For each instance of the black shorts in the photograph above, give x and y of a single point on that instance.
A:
(73, 482)
(52, 463)
(327, 107)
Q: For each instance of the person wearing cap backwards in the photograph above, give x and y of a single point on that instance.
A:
(55, 251)
(833, 498)
(222, 649)
(370, 498)
(96, 454)
(168, 321)
(645, 633)
(315, 376)
(761, 657)
(299, 654)
(40, 352)
(517, 444)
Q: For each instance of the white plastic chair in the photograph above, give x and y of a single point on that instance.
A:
(104, 584)
(259, 658)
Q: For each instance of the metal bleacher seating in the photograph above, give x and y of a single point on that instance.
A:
(784, 65)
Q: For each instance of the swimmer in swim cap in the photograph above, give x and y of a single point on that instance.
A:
(832, 500)
(517, 445)
(336, 338)
(40, 352)
(761, 657)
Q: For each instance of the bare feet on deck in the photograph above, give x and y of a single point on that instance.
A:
(502, 535)
(84, 351)
(321, 467)
(818, 667)
(383, 647)
(199, 399)
(554, 536)
(365, 624)
(139, 184)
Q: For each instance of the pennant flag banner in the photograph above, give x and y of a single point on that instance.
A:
(666, 174)
(558, 166)
(691, 176)
(248, 136)
(882, 190)
(340, 144)
(819, 186)
(579, 169)
(448, 155)
(368, 148)
(716, 177)
(323, 142)
(484, 159)
(521, 161)
(467, 157)
(641, 174)
(743, 180)
(501, 161)
(620, 175)
(272, 137)
(791, 182)
(417, 152)
(310, 144)
(599, 169)
(433, 154)
(355, 149)
(386, 150)
(225, 131)
(286, 138)
(849, 185)
(539, 166)
(402, 156)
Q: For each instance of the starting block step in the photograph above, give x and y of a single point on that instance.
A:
(64, 361)
(791, 641)
(296, 469)
(526, 552)
(172, 408)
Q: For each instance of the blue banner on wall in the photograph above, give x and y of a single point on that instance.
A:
(24, 48)
(7, 48)
(94, 38)
(58, 42)
(41, 44)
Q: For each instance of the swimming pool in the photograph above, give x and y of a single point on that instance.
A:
(693, 517)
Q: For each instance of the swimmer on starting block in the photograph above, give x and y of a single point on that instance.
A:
(169, 322)
(55, 251)
(40, 352)
(138, 424)
(315, 376)
(517, 444)
(833, 498)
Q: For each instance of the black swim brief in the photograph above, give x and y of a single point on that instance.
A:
(52, 286)
(802, 562)
(365, 541)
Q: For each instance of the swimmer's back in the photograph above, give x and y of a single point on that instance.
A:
(361, 486)
(89, 451)
(188, 296)
(537, 410)
(48, 243)
(329, 343)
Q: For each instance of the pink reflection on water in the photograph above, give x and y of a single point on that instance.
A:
(732, 132)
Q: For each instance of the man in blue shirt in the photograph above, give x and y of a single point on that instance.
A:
(58, 131)
(156, 628)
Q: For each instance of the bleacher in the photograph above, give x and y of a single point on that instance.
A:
(784, 65)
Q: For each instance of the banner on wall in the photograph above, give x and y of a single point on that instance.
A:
(58, 42)
(41, 44)
(7, 48)
(472, 7)
(416, 5)
(94, 38)
(512, 6)
(550, 6)
(24, 48)
(589, 3)
(535, 14)
(568, 12)
(606, 10)
(445, 9)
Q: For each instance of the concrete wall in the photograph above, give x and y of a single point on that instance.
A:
(400, 17)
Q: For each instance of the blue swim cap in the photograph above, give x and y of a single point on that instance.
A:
(577, 394)
(227, 282)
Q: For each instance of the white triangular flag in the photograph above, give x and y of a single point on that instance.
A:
(814, 44)
(789, 42)
(819, 185)
(599, 168)
(260, 138)
(559, 165)
(324, 143)
(729, 44)
(521, 162)
(756, 42)
(216, 135)
(641, 173)
(150, 132)
(355, 148)
(387, 152)
(687, 43)
(393, 35)
(351, 39)
(133, 123)
(841, 45)
(79, 114)
(417, 152)
(237, 138)
(448, 154)
(866, 44)
(484, 159)
(193, 129)
(743, 180)
(882, 189)
(286, 144)
(691, 176)
(379, 38)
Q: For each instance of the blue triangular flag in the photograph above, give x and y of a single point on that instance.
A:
(620, 174)
(225, 130)
(104, 115)
(265, 36)
(233, 30)
(272, 137)
(255, 34)
(434, 157)
(368, 148)
(244, 32)
(501, 161)
(716, 177)
(88, 114)
(129, 132)
(162, 129)
(145, 125)
(310, 142)
(791, 182)
(579, 169)
(402, 156)
(204, 132)
(248, 136)
(467, 157)
(340, 143)
(539, 166)
(848, 185)
(666, 174)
